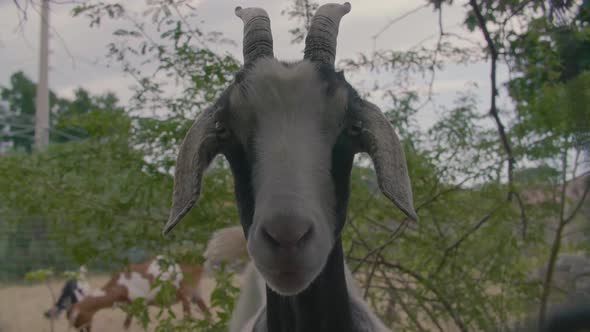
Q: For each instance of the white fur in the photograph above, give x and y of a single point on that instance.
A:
(139, 286)
(251, 302)
(82, 286)
(173, 271)
(82, 289)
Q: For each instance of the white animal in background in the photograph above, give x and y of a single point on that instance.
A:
(135, 281)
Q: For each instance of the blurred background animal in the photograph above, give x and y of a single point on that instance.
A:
(137, 281)
(72, 292)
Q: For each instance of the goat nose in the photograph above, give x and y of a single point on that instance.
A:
(286, 232)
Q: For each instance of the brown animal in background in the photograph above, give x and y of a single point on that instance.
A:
(136, 281)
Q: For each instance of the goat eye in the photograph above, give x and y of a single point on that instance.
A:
(221, 130)
(355, 128)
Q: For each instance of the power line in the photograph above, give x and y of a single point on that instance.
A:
(394, 21)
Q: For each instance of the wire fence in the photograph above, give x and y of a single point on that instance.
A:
(26, 246)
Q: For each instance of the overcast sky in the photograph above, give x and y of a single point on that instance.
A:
(71, 37)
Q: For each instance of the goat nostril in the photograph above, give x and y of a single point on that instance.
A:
(269, 238)
(281, 235)
(306, 236)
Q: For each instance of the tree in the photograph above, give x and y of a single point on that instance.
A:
(68, 118)
(31, 230)
(550, 90)
(80, 118)
(20, 98)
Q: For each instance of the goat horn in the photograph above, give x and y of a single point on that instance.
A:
(257, 34)
(320, 43)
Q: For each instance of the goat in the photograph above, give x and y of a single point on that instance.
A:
(290, 132)
(136, 281)
(72, 292)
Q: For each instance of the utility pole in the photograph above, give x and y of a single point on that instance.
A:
(42, 102)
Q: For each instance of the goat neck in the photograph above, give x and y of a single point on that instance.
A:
(323, 306)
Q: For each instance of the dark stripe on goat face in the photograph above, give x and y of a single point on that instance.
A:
(342, 161)
(345, 148)
(241, 166)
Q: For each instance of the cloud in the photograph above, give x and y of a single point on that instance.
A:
(78, 51)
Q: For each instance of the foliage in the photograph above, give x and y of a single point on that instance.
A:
(39, 275)
(178, 74)
(222, 299)
(301, 11)
(551, 91)
(98, 117)
(20, 100)
(483, 227)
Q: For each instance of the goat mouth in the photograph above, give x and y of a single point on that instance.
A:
(287, 281)
(281, 272)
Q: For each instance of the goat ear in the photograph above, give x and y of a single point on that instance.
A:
(198, 149)
(380, 141)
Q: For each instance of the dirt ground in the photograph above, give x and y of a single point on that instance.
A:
(22, 307)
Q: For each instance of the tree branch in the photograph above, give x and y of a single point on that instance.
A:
(395, 20)
(458, 242)
(424, 281)
(578, 206)
(493, 50)
(555, 246)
